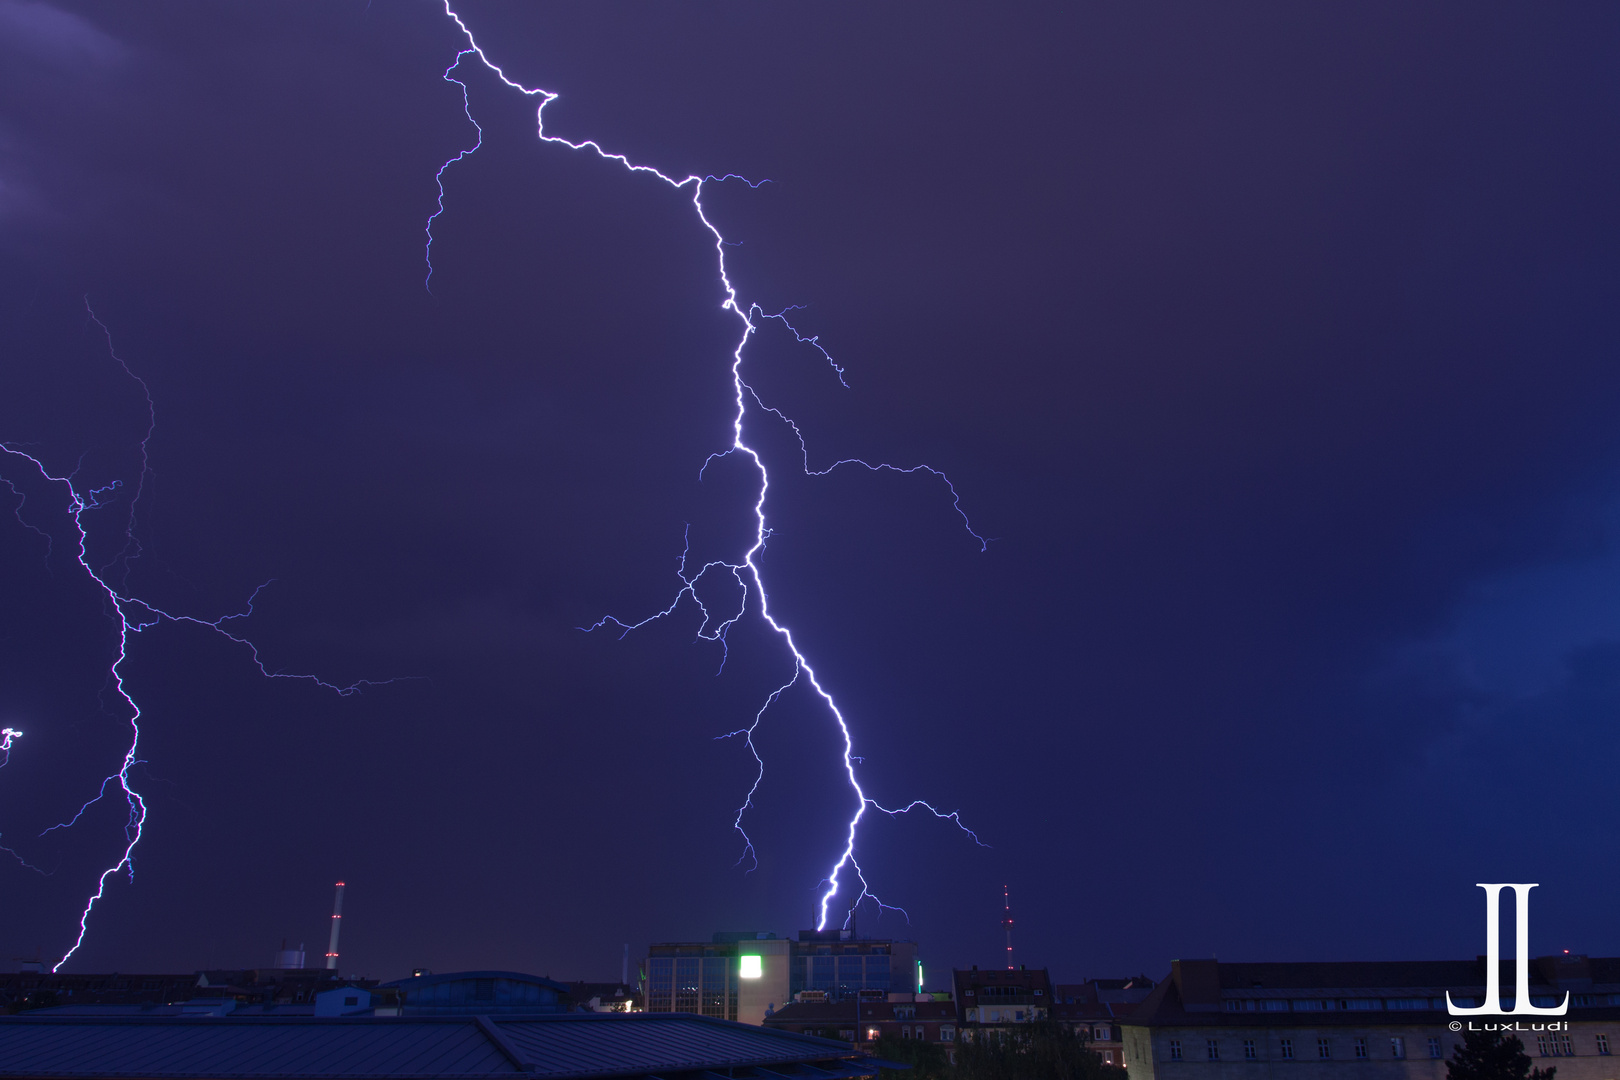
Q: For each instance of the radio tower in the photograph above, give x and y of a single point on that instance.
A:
(1006, 923)
(337, 921)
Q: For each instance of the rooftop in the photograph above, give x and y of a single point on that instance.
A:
(555, 1047)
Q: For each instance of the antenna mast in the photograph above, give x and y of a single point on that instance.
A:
(337, 921)
(1006, 923)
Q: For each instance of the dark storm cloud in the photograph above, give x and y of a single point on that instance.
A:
(1274, 346)
(58, 36)
(55, 59)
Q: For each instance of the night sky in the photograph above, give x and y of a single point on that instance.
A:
(1275, 348)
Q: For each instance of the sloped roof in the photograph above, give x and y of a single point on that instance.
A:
(554, 1047)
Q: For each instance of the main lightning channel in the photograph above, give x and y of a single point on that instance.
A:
(745, 571)
(131, 615)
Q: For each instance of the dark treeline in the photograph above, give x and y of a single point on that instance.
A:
(1039, 1051)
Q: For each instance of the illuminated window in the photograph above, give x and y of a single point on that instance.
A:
(872, 1034)
(751, 967)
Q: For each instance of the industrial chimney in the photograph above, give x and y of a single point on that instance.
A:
(337, 921)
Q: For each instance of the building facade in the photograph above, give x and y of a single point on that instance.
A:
(747, 976)
(1360, 1021)
(1000, 998)
(842, 966)
(863, 1023)
(1095, 1009)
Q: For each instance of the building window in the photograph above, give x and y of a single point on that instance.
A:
(872, 1034)
(1603, 1044)
(1361, 1047)
(1108, 1057)
(1248, 1050)
(1566, 1045)
(847, 1034)
(715, 978)
(686, 984)
(1104, 1035)
(1323, 1049)
(1213, 1049)
(947, 1033)
(1434, 1048)
(1288, 1049)
(660, 984)
(1175, 1049)
(1397, 1047)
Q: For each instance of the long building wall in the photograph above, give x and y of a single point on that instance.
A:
(1296, 1052)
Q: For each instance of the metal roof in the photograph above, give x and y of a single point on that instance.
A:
(550, 1047)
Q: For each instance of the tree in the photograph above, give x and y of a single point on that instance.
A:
(1488, 1055)
(928, 1060)
(1044, 1050)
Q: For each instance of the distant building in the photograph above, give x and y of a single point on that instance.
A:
(1373, 1020)
(477, 993)
(995, 998)
(266, 986)
(842, 966)
(1095, 1008)
(603, 997)
(747, 976)
(902, 1016)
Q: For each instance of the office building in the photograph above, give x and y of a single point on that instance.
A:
(746, 976)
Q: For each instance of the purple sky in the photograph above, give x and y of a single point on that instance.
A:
(1275, 348)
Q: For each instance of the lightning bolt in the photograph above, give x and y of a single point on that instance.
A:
(745, 570)
(130, 615)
